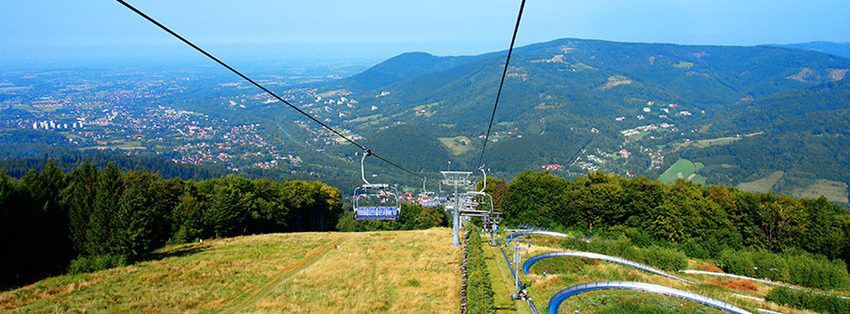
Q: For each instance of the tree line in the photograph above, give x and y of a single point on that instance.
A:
(106, 217)
(702, 220)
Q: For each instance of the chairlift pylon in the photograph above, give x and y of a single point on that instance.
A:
(374, 201)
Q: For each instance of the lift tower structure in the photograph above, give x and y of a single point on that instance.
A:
(456, 179)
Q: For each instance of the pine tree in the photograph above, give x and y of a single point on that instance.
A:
(79, 198)
(101, 233)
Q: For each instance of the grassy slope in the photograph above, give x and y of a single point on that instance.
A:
(763, 185)
(565, 272)
(370, 272)
(683, 169)
(833, 190)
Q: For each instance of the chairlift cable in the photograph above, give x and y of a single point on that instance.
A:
(258, 85)
(501, 84)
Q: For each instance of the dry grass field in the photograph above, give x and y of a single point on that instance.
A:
(398, 272)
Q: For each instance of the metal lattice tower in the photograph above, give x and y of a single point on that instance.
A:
(456, 179)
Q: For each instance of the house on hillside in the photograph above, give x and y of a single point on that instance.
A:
(552, 167)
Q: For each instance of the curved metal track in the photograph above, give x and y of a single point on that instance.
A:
(558, 298)
(511, 236)
(526, 267)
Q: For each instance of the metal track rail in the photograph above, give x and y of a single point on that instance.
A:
(526, 266)
(561, 296)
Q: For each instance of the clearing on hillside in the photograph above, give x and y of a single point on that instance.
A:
(457, 145)
(397, 272)
(683, 169)
(720, 141)
(763, 185)
(833, 190)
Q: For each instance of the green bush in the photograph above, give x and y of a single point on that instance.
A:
(665, 258)
(807, 300)
(696, 250)
(793, 267)
(88, 264)
(817, 271)
(657, 256)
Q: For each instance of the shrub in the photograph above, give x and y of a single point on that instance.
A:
(657, 256)
(665, 258)
(793, 267)
(695, 249)
(88, 264)
(821, 303)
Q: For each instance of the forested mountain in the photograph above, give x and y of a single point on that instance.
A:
(402, 67)
(631, 108)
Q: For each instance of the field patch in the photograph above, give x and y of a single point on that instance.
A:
(458, 145)
(837, 74)
(683, 169)
(802, 76)
(615, 81)
(684, 65)
(762, 185)
(331, 93)
(720, 141)
(367, 119)
(832, 190)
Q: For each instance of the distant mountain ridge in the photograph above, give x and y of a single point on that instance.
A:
(405, 66)
(839, 49)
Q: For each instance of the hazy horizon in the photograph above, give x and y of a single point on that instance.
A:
(44, 32)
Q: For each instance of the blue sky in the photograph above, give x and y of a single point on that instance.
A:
(34, 29)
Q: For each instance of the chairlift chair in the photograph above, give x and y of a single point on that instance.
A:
(473, 201)
(374, 201)
(427, 199)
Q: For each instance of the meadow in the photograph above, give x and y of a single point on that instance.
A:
(404, 271)
(683, 169)
(763, 185)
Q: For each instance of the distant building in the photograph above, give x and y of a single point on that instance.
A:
(552, 167)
